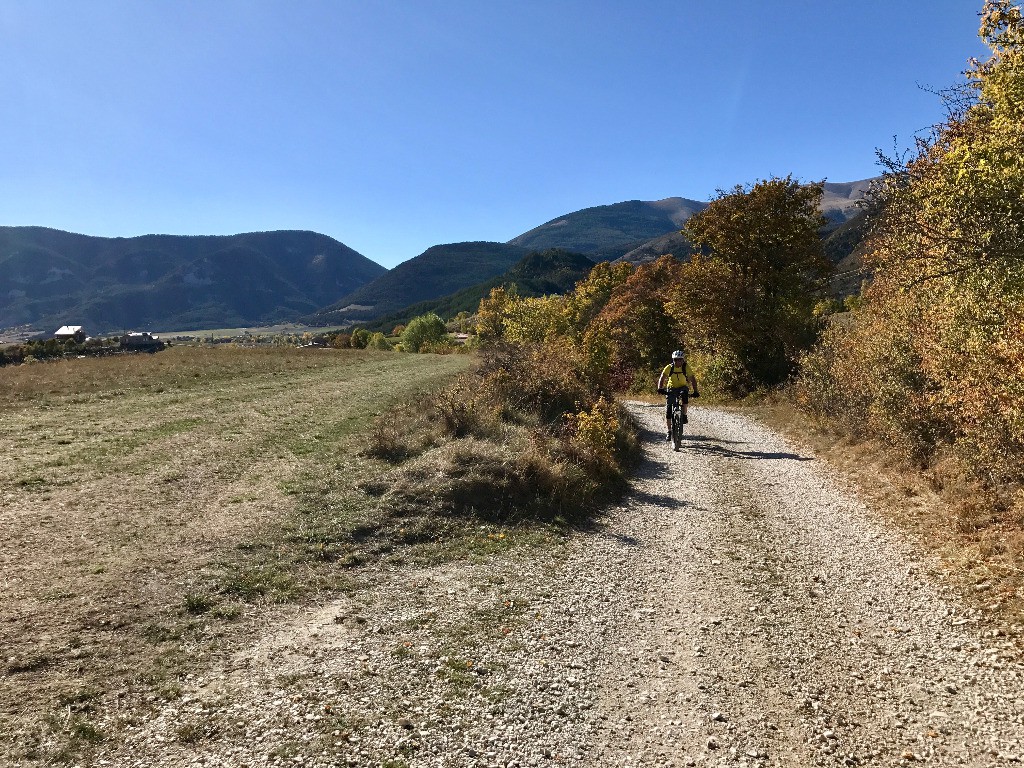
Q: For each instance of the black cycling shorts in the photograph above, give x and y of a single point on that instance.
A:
(683, 394)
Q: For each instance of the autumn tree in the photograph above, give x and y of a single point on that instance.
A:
(941, 329)
(749, 293)
(639, 331)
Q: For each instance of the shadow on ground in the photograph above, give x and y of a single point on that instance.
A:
(712, 447)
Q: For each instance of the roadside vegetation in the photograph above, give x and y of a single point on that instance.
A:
(931, 362)
(925, 366)
(744, 304)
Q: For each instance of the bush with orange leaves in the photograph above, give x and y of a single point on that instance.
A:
(932, 363)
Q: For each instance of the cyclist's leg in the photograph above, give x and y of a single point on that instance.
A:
(668, 415)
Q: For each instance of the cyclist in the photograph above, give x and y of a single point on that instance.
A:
(675, 381)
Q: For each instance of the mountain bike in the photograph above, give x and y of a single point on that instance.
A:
(678, 395)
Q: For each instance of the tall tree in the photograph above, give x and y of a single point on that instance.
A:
(749, 292)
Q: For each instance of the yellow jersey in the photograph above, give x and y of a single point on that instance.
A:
(676, 378)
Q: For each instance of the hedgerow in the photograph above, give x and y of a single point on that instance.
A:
(932, 361)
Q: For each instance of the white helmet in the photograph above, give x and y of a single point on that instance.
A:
(678, 355)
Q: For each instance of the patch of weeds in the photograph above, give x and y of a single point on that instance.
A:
(29, 663)
(84, 731)
(227, 611)
(253, 581)
(287, 750)
(290, 487)
(498, 693)
(189, 733)
(169, 691)
(397, 763)
(192, 733)
(161, 633)
(251, 546)
(79, 700)
(403, 650)
(289, 679)
(408, 748)
(341, 721)
(197, 603)
(458, 673)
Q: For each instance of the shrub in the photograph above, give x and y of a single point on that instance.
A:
(423, 331)
(360, 338)
(528, 436)
(378, 341)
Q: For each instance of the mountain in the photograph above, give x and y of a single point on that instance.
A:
(438, 271)
(608, 231)
(841, 202)
(638, 231)
(52, 278)
(554, 271)
(845, 247)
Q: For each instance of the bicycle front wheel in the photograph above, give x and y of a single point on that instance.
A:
(677, 429)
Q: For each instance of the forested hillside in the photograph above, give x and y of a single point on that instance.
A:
(605, 232)
(51, 278)
(438, 271)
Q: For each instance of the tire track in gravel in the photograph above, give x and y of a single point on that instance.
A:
(793, 629)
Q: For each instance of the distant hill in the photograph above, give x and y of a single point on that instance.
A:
(438, 271)
(599, 231)
(554, 271)
(845, 247)
(52, 278)
(673, 243)
(841, 201)
(639, 232)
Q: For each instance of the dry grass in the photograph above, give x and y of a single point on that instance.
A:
(152, 504)
(982, 555)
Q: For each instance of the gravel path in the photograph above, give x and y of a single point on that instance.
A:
(739, 608)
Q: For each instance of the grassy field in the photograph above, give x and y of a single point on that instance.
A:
(151, 504)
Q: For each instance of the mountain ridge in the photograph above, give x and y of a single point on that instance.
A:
(49, 277)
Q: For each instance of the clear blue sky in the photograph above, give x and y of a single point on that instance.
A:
(394, 126)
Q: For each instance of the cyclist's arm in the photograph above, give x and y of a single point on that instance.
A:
(661, 380)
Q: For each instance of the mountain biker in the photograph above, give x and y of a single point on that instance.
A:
(675, 381)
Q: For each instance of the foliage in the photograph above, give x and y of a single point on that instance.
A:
(528, 436)
(749, 295)
(424, 333)
(932, 360)
(55, 349)
(637, 324)
(378, 341)
(746, 304)
(359, 338)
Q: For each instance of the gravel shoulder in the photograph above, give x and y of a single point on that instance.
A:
(739, 607)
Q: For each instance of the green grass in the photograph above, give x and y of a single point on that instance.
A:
(221, 478)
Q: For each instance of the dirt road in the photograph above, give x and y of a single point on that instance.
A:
(740, 607)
